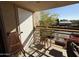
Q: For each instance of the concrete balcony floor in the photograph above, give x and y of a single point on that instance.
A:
(32, 51)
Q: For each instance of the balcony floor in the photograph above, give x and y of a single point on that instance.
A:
(58, 51)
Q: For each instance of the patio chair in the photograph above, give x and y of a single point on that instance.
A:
(45, 37)
(42, 40)
(15, 45)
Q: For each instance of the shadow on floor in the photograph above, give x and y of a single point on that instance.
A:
(56, 53)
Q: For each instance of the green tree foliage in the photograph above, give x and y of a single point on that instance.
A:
(47, 19)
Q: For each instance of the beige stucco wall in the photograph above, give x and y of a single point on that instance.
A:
(36, 18)
(9, 18)
(8, 14)
(25, 23)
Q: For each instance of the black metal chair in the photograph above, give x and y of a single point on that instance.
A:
(42, 39)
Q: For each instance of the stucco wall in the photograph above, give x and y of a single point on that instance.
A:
(25, 23)
(8, 14)
(36, 18)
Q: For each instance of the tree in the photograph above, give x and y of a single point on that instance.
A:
(47, 19)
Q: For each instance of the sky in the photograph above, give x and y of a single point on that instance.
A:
(70, 12)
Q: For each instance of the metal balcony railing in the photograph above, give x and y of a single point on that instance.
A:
(43, 38)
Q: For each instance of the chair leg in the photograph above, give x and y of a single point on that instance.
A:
(23, 51)
(50, 42)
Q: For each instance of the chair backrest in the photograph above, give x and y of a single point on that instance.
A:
(46, 32)
(14, 42)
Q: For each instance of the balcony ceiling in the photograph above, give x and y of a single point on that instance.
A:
(42, 5)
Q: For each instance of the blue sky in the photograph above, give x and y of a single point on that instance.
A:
(70, 12)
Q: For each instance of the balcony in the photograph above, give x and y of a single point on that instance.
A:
(36, 40)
